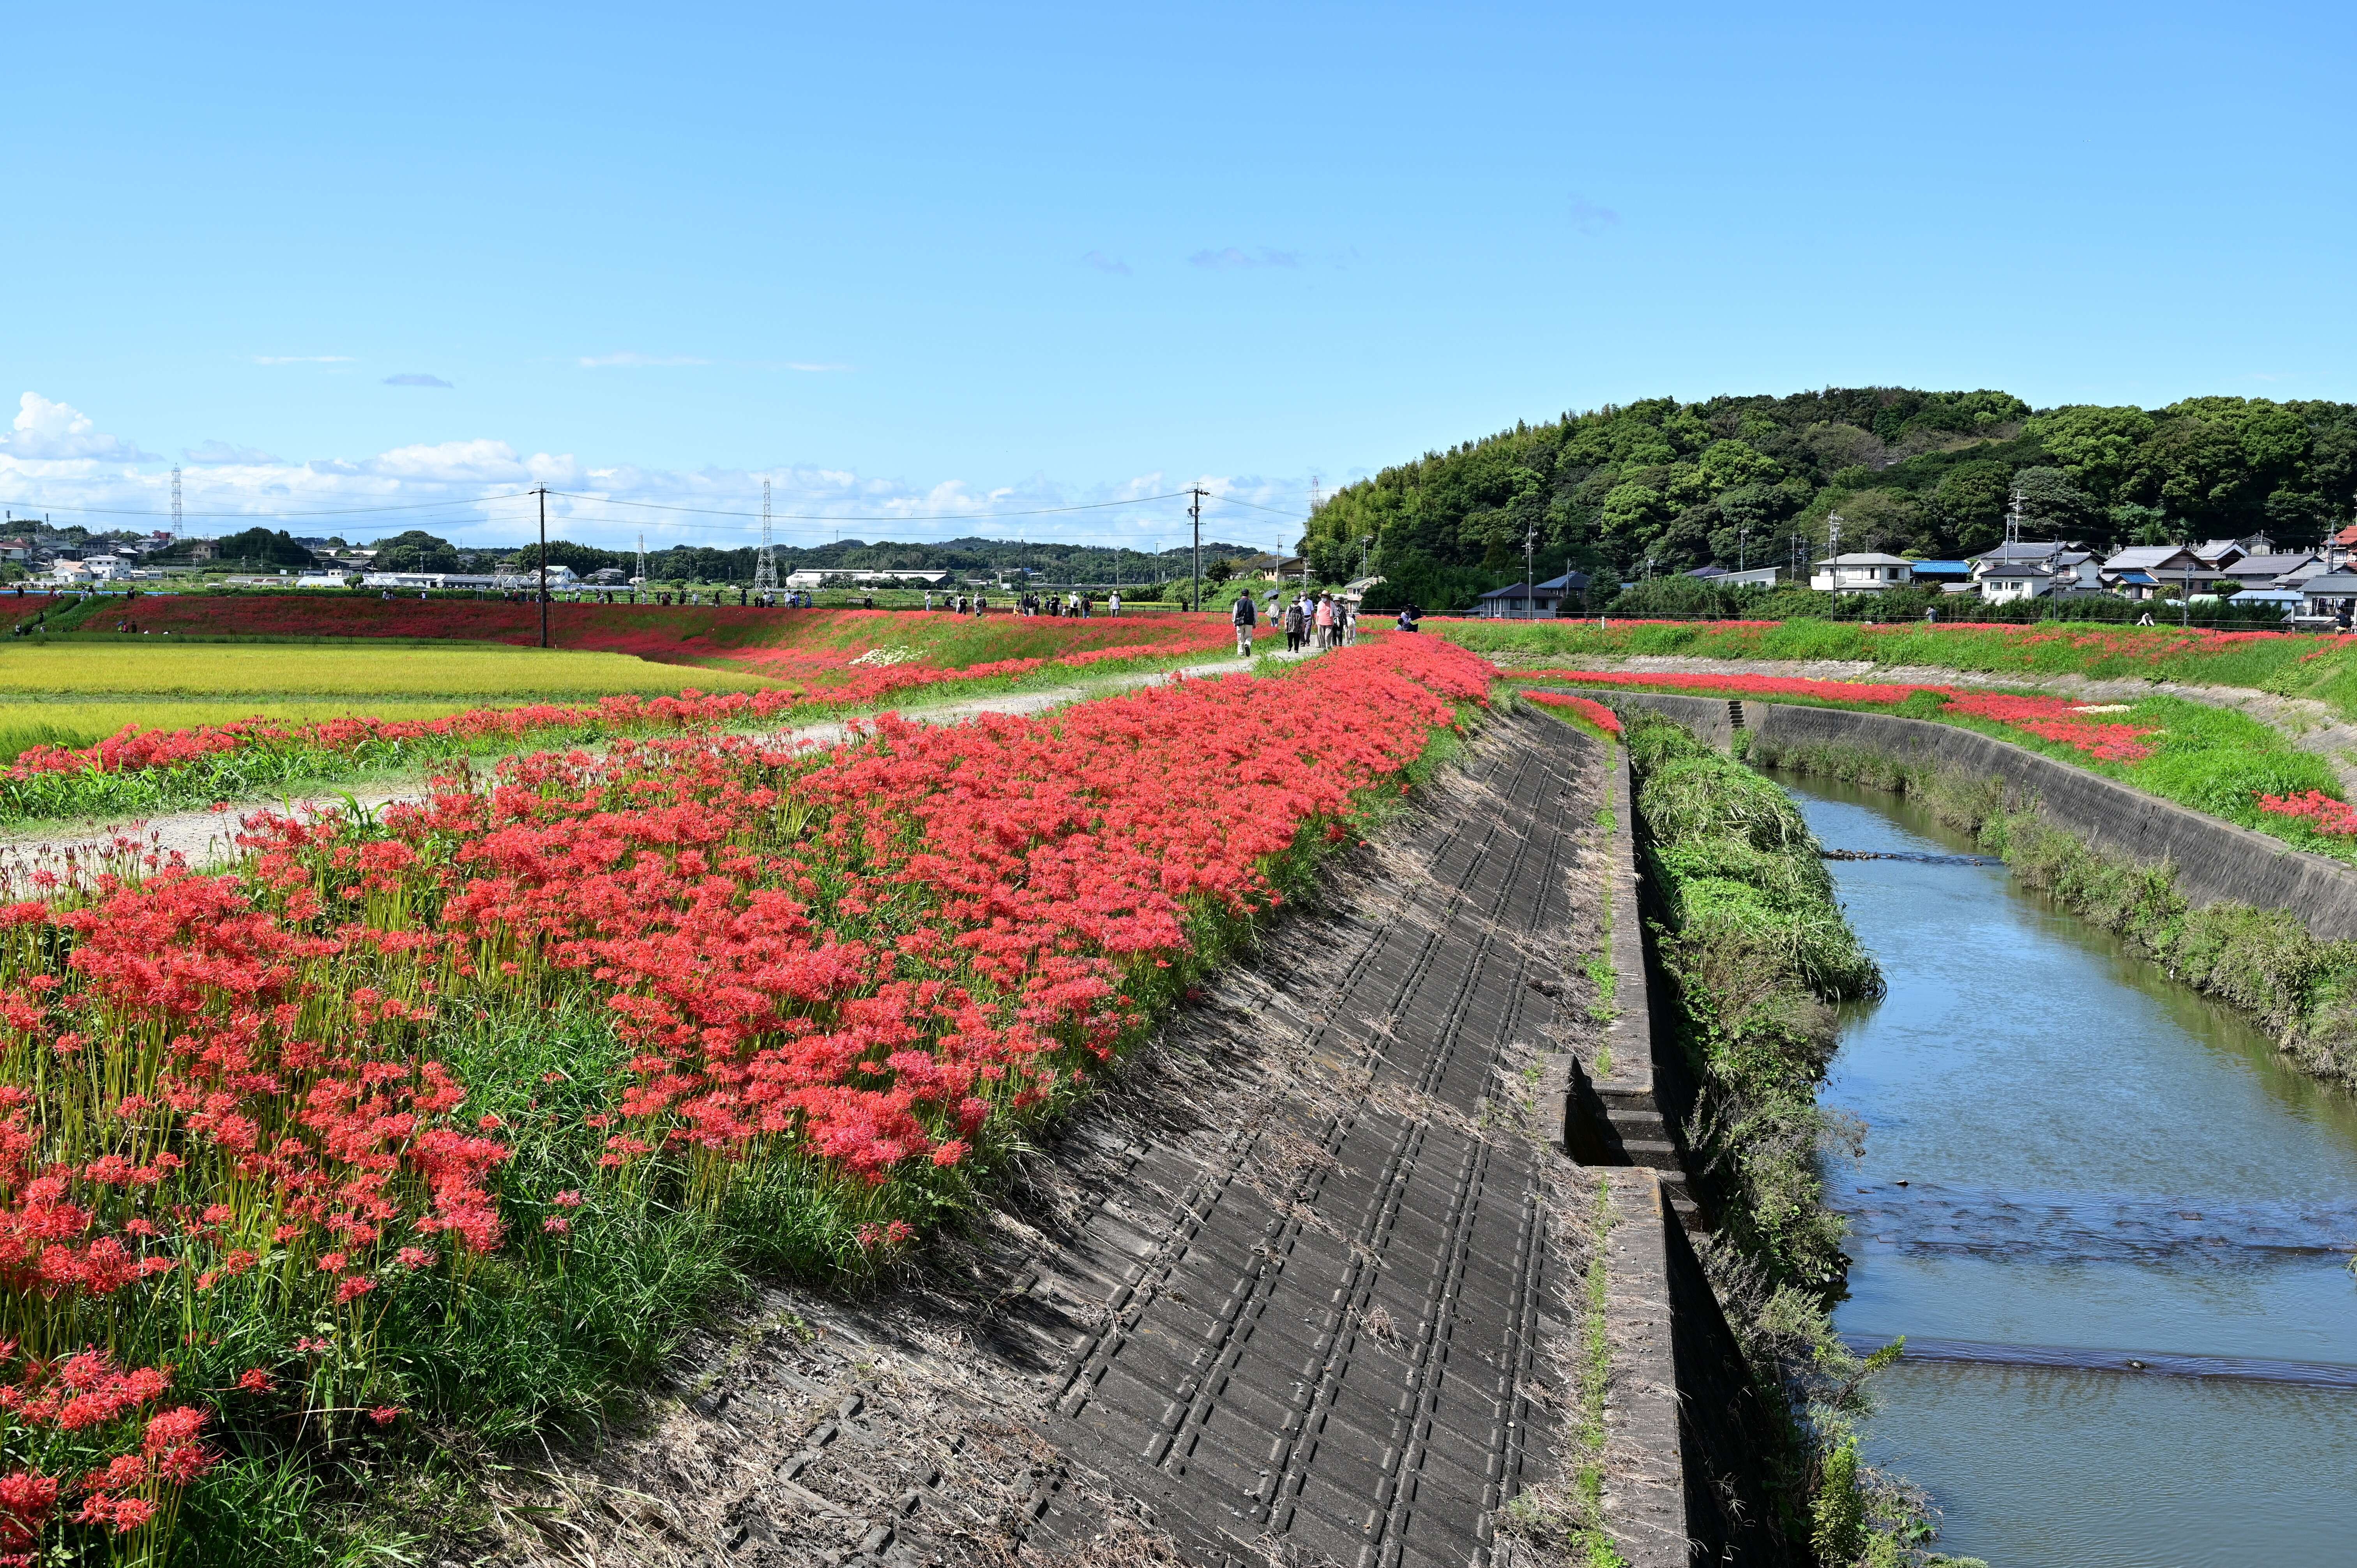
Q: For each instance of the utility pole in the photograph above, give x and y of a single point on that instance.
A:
(543, 565)
(640, 587)
(765, 569)
(175, 501)
(1530, 571)
(1195, 511)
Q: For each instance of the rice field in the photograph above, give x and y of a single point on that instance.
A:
(215, 671)
(27, 722)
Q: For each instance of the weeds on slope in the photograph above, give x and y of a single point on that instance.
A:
(1757, 953)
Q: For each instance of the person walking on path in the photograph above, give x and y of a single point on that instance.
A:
(1293, 628)
(1325, 614)
(1113, 604)
(1241, 614)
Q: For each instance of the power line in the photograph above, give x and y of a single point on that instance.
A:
(346, 512)
(865, 517)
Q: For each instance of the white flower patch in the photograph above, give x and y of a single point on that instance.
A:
(883, 657)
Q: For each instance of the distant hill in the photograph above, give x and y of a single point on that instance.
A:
(1055, 561)
(1754, 480)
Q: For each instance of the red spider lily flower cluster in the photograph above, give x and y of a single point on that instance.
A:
(1587, 708)
(868, 968)
(2336, 819)
(2049, 718)
(85, 1446)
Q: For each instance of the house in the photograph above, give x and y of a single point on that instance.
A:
(2069, 568)
(1523, 601)
(2153, 564)
(1750, 577)
(1941, 574)
(2221, 554)
(2329, 595)
(1862, 572)
(2268, 571)
(2290, 601)
(2004, 584)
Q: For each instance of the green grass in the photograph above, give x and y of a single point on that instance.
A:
(2287, 665)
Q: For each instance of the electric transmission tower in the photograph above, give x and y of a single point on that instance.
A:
(765, 568)
(175, 501)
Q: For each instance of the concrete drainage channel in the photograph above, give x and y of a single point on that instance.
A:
(1684, 1428)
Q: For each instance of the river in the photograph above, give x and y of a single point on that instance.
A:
(2073, 1164)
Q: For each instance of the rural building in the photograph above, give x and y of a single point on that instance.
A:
(1862, 572)
(2330, 595)
(2021, 580)
(2139, 570)
(2272, 571)
(1749, 577)
(1526, 601)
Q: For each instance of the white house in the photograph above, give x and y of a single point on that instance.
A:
(2020, 580)
(1862, 572)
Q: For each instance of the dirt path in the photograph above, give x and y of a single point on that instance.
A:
(208, 838)
(2311, 726)
(1291, 1290)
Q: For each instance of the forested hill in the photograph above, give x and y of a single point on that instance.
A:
(1689, 484)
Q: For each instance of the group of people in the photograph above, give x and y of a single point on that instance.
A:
(958, 604)
(1073, 603)
(1317, 622)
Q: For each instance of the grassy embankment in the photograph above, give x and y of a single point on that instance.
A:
(2303, 991)
(2285, 664)
(1756, 954)
(2217, 760)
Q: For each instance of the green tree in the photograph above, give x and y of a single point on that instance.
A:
(416, 551)
(2194, 468)
(260, 547)
(2096, 447)
(2055, 505)
(1969, 503)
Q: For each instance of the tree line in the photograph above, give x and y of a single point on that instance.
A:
(1661, 487)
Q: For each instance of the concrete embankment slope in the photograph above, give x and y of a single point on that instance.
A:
(1686, 1432)
(2215, 862)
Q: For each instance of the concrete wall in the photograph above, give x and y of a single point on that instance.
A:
(2215, 862)
(1686, 1434)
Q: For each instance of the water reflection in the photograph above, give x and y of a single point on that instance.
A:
(2074, 1162)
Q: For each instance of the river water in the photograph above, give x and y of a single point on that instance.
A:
(2072, 1164)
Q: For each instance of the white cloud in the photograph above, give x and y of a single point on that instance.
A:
(224, 454)
(302, 359)
(415, 379)
(630, 361)
(1105, 264)
(59, 432)
(473, 491)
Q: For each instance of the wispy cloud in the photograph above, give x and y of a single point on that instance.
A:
(634, 361)
(1105, 264)
(1588, 218)
(224, 453)
(1231, 257)
(302, 359)
(415, 379)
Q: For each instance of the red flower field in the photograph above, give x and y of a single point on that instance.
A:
(239, 1148)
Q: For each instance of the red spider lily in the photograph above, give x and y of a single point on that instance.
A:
(1594, 712)
(871, 967)
(2321, 811)
(2050, 718)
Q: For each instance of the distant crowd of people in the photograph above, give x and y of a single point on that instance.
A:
(1311, 622)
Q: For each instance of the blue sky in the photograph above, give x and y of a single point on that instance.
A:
(937, 262)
